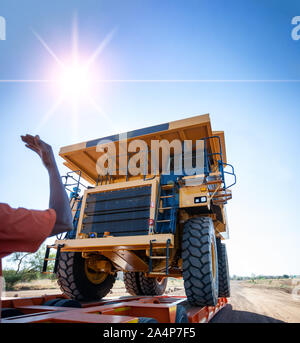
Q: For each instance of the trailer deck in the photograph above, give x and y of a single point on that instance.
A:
(164, 309)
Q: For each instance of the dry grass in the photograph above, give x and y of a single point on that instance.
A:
(174, 285)
(36, 285)
(42, 287)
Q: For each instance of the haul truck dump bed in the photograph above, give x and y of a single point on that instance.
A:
(84, 156)
(155, 208)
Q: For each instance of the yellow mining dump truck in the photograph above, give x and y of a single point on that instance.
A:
(155, 209)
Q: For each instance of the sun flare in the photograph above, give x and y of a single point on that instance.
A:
(75, 78)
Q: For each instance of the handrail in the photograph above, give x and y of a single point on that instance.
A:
(230, 173)
(76, 183)
(157, 205)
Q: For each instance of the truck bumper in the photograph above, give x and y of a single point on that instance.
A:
(111, 243)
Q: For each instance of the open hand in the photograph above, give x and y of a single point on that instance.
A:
(43, 149)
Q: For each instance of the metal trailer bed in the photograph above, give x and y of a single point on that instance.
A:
(164, 309)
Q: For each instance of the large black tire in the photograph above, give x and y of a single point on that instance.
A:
(75, 281)
(59, 302)
(137, 283)
(68, 303)
(181, 315)
(224, 278)
(152, 286)
(51, 302)
(132, 283)
(146, 320)
(200, 262)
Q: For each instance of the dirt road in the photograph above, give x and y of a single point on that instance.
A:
(258, 305)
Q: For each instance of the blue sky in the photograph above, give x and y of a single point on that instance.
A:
(161, 40)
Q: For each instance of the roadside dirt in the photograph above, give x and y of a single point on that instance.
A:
(248, 304)
(259, 305)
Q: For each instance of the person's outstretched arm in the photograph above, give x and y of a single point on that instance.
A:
(59, 200)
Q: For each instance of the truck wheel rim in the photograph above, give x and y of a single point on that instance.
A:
(160, 280)
(213, 258)
(95, 277)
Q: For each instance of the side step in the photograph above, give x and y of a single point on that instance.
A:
(151, 257)
(213, 182)
(56, 259)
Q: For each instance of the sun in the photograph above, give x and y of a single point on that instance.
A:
(75, 81)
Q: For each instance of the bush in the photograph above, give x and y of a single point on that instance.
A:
(12, 277)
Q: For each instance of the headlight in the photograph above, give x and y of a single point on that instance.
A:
(200, 200)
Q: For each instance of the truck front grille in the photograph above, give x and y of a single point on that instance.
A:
(122, 212)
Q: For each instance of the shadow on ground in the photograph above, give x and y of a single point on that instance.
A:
(229, 315)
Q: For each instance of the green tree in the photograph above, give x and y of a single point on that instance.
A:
(27, 267)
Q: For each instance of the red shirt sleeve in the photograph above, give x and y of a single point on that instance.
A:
(23, 230)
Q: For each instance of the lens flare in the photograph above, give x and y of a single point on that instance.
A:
(73, 79)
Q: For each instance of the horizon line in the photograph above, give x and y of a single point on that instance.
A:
(162, 81)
